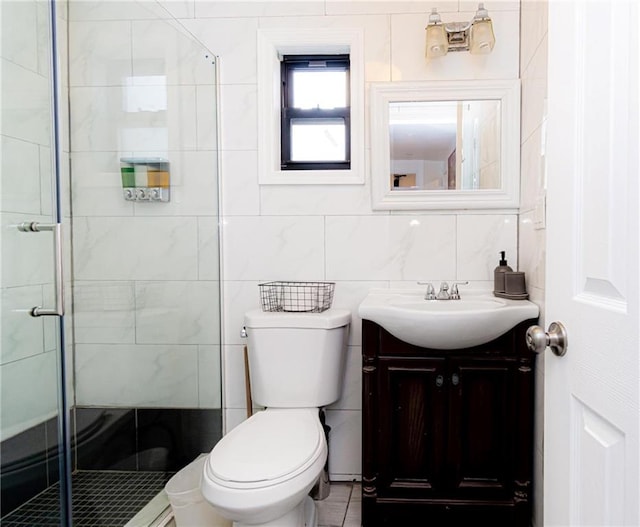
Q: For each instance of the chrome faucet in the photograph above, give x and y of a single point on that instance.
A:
(443, 294)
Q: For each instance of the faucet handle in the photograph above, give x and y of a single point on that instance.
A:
(430, 294)
(455, 294)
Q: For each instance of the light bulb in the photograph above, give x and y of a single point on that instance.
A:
(482, 38)
(437, 44)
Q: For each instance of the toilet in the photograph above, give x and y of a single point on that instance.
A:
(261, 472)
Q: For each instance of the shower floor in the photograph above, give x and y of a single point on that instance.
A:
(100, 499)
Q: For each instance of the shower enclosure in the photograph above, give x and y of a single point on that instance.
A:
(110, 306)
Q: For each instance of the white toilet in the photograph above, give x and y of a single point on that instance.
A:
(261, 472)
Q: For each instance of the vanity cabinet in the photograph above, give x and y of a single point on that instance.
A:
(447, 434)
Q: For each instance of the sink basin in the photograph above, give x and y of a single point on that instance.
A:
(477, 318)
(456, 306)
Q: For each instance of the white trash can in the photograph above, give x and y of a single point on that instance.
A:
(190, 509)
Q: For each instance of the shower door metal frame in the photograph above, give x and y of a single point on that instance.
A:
(64, 424)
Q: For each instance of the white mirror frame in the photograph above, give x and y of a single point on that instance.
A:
(504, 199)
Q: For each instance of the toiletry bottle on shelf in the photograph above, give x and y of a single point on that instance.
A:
(498, 274)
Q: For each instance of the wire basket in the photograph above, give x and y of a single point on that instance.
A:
(308, 297)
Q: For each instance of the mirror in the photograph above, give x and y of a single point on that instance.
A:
(445, 145)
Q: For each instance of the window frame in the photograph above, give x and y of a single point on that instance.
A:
(272, 45)
(302, 62)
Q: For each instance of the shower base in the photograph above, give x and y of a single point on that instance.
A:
(100, 499)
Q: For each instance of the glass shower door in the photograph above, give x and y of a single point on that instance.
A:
(33, 449)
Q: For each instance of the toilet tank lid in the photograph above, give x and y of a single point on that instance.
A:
(329, 319)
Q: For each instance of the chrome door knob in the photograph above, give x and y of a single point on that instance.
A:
(556, 338)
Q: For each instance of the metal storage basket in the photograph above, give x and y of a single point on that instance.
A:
(310, 297)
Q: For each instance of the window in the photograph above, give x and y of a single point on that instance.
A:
(315, 114)
(334, 43)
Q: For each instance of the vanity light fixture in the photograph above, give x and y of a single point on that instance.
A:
(475, 36)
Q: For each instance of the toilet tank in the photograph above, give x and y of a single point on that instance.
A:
(297, 360)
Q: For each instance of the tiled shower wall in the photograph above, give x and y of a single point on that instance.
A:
(146, 282)
(532, 234)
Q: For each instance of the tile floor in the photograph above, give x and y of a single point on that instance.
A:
(342, 507)
(110, 499)
(100, 499)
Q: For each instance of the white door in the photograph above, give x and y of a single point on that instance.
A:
(591, 464)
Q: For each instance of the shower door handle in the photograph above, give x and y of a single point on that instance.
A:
(56, 228)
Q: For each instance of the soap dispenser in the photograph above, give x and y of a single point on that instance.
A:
(499, 274)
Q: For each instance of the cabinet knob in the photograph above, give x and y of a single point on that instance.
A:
(455, 379)
(439, 380)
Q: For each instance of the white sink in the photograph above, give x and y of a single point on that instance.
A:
(477, 318)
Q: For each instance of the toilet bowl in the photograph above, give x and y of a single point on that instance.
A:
(261, 472)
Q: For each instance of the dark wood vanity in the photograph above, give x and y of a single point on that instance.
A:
(447, 435)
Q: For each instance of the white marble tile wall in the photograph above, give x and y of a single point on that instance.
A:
(407, 32)
(324, 232)
(23, 407)
(279, 232)
(143, 375)
(28, 346)
(147, 289)
(177, 312)
(532, 234)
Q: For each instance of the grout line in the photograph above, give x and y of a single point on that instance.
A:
(344, 517)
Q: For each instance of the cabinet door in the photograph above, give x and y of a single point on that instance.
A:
(412, 409)
(482, 431)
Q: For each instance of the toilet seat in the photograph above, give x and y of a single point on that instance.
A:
(267, 449)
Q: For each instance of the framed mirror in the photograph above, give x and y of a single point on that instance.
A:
(445, 145)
